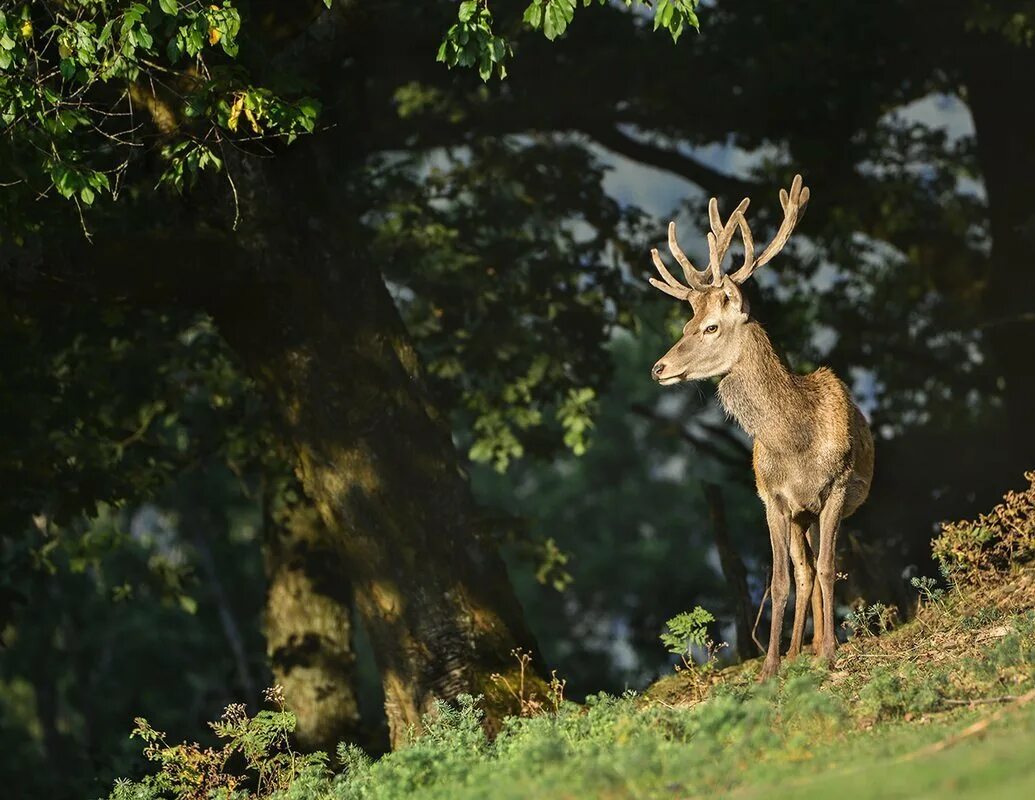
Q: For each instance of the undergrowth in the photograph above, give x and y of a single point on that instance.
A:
(909, 703)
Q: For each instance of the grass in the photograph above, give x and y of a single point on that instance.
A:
(944, 705)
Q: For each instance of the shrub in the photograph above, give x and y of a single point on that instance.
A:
(255, 754)
(891, 692)
(687, 631)
(993, 543)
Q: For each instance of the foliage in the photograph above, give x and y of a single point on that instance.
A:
(994, 543)
(686, 630)
(476, 292)
(92, 648)
(554, 16)
(471, 41)
(689, 631)
(74, 79)
(528, 700)
(189, 771)
(871, 620)
(123, 439)
(928, 589)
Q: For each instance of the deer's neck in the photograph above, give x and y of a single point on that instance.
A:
(760, 392)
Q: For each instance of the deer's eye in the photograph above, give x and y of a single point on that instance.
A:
(711, 329)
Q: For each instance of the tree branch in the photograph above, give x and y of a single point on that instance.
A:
(711, 180)
(719, 454)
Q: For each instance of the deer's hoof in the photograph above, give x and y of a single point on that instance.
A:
(769, 670)
(825, 653)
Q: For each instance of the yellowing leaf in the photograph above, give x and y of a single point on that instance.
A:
(251, 118)
(26, 29)
(235, 112)
(214, 35)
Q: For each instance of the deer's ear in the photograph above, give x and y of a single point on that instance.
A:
(734, 296)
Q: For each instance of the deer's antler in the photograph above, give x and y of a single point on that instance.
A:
(793, 203)
(721, 237)
(698, 279)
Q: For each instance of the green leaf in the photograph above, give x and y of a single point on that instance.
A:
(143, 38)
(659, 14)
(468, 9)
(558, 14)
(86, 195)
(170, 7)
(534, 14)
(174, 49)
(676, 31)
(105, 33)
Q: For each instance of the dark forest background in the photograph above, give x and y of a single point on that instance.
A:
(278, 425)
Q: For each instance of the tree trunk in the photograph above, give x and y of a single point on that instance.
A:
(379, 464)
(315, 325)
(1000, 82)
(309, 620)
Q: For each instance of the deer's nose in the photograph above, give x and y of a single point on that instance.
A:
(658, 369)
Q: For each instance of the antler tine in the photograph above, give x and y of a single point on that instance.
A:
(793, 203)
(723, 236)
(683, 294)
(671, 286)
(748, 266)
(698, 279)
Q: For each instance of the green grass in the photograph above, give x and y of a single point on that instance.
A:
(893, 719)
(996, 764)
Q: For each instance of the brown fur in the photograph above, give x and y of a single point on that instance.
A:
(813, 451)
(812, 457)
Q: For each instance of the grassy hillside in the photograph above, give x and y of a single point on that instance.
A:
(943, 705)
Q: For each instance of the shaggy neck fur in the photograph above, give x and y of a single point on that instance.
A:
(761, 393)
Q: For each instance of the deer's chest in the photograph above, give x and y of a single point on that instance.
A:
(797, 481)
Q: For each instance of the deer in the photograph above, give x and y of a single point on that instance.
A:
(812, 451)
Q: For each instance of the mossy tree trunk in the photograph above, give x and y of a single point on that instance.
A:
(379, 464)
(313, 322)
(308, 619)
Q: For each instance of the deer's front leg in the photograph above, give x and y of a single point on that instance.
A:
(829, 523)
(804, 579)
(779, 521)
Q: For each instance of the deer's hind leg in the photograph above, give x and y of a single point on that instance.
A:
(804, 584)
(829, 522)
(817, 593)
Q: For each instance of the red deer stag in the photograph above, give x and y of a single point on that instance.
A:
(813, 452)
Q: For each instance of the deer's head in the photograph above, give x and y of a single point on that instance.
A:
(712, 340)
